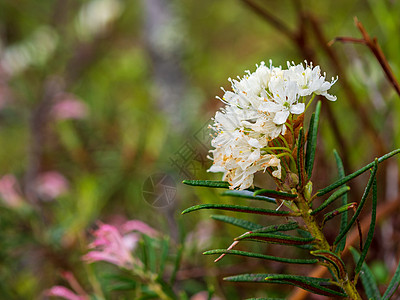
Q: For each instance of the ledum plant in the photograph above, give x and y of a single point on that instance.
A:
(261, 129)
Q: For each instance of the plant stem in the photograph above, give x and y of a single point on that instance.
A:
(321, 243)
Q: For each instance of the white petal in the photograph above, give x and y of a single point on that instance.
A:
(281, 117)
(216, 169)
(329, 97)
(297, 108)
(255, 143)
(270, 107)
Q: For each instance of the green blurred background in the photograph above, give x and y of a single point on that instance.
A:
(99, 95)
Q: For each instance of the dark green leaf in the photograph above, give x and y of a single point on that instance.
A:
(371, 228)
(367, 278)
(361, 204)
(177, 263)
(344, 215)
(247, 195)
(312, 140)
(260, 277)
(276, 239)
(121, 286)
(356, 173)
(300, 157)
(237, 222)
(208, 183)
(278, 227)
(275, 194)
(393, 285)
(319, 286)
(151, 253)
(164, 255)
(337, 194)
(333, 260)
(262, 256)
(238, 208)
(338, 211)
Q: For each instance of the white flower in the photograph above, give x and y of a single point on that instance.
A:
(239, 155)
(310, 80)
(285, 95)
(255, 113)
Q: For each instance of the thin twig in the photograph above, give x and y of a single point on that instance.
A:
(375, 48)
(352, 97)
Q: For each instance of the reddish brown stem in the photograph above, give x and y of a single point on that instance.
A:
(373, 45)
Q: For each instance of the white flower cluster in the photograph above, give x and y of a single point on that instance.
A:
(256, 111)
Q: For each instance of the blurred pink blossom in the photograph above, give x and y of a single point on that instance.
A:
(51, 185)
(59, 291)
(109, 246)
(136, 225)
(114, 246)
(203, 296)
(68, 106)
(10, 191)
(63, 292)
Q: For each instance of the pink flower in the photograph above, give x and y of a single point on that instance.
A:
(136, 225)
(114, 246)
(63, 292)
(68, 106)
(10, 191)
(110, 246)
(51, 185)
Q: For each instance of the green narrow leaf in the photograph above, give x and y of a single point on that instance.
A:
(151, 252)
(312, 140)
(166, 288)
(219, 184)
(344, 215)
(208, 183)
(367, 278)
(393, 285)
(164, 255)
(319, 286)
(177, 263)
(253, 227)
(371, 228)
(300, 157)
(275, 239)
(247, 195)
(237, 222)
(333, 260)
(337, 194)
(338, 211)
(258, 277)
(275, 194)
(262, 256)
(356, 173)
(118, 282)
(279, 227)
(360, 205)
(238, 208)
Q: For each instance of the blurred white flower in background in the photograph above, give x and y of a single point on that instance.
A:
(34, 50)
(95, 17)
